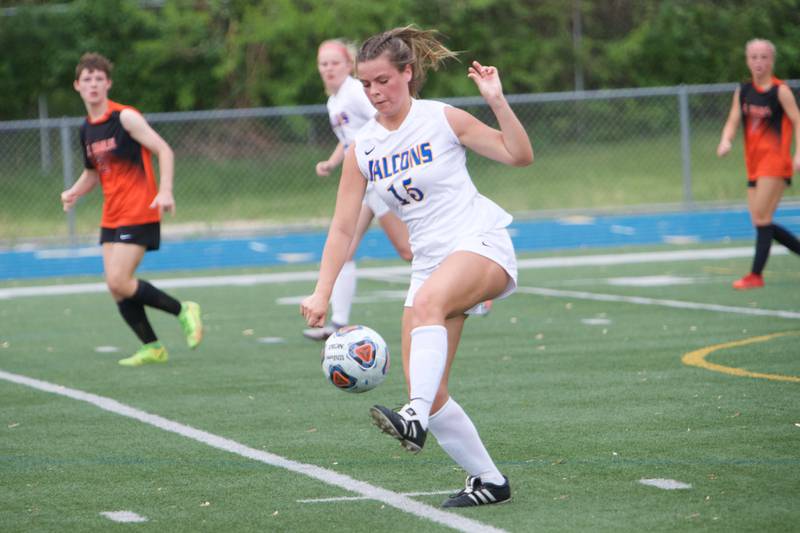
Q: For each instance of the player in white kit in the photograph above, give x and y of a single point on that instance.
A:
(349, 109)
(414, 155)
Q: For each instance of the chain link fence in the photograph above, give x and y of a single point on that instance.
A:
(252, 170)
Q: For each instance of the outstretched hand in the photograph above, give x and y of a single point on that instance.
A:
(487, 79)
(314, 308)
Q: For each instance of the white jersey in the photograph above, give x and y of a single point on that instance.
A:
(349, 109)
(420, 172)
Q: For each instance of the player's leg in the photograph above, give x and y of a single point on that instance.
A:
(457, 435)
(459, 283)
(119, 263)
(451, 426)
(781, 234)
(762, 201)
(147, 237)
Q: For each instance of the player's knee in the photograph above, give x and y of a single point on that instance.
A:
(119, 286)
(426, 310)
(761, 219)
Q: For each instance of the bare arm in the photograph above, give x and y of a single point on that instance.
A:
(340, 234)
(789, 104)
(324, 168)
(87, 181)
(509, 145)
(140, 130)
(731, 125)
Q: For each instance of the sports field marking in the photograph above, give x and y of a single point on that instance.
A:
(698, 358)
(106, 349)
(650, 281)
(595, 321)
(357, 498)
(400, 273)
(666, 484)
(271, 340)
(675, 304)
(330, 477)
(124, 516)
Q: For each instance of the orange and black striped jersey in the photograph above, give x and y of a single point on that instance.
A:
(767, 132)
(125, 168)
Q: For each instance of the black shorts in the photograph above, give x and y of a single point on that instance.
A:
(147, 235)
(752, 184)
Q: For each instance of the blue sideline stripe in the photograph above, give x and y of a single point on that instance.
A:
(303, 248)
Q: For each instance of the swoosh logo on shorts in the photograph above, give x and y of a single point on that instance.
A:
(486, 244)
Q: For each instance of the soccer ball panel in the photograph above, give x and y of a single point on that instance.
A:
(355, 359)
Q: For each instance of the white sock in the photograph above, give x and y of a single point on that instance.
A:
(425, 367)
(344, 290)
(457, 435)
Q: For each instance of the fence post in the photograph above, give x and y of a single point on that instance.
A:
(69, 176)
(686, 151)
(44, 135)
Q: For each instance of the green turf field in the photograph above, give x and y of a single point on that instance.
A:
(577, 400)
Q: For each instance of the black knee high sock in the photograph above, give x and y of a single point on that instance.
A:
(763, 244)
(785, 237)
(134, 315)
(146, 294)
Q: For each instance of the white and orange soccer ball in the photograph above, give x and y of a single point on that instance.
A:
(355, 359)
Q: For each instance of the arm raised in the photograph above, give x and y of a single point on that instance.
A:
(510, 144)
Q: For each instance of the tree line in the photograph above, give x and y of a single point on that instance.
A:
(173, 55)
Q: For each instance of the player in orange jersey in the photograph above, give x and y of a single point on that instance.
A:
(771, 116)
(117, 143)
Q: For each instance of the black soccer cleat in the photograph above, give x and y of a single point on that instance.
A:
(477, 492)
(403, 425)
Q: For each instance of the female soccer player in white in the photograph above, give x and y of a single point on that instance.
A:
(349, 109)
(414, 154)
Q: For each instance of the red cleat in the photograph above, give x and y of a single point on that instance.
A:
(750, 281)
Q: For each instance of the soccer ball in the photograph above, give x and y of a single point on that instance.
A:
(355, 359)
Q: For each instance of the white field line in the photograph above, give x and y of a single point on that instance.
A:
(324, 475)
(394, 273)
(643, 257)
(357, 498)
(666, 484)
(124, 516)
(677, 304)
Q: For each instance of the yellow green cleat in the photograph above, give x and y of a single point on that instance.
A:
(191, 323)
(152, 352)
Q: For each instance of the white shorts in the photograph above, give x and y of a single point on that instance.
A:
(495, 244)
(374, 202)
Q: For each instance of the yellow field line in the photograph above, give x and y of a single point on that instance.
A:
(698, 358)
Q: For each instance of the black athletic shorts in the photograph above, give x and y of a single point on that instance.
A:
(147, 235)
(752, 184)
